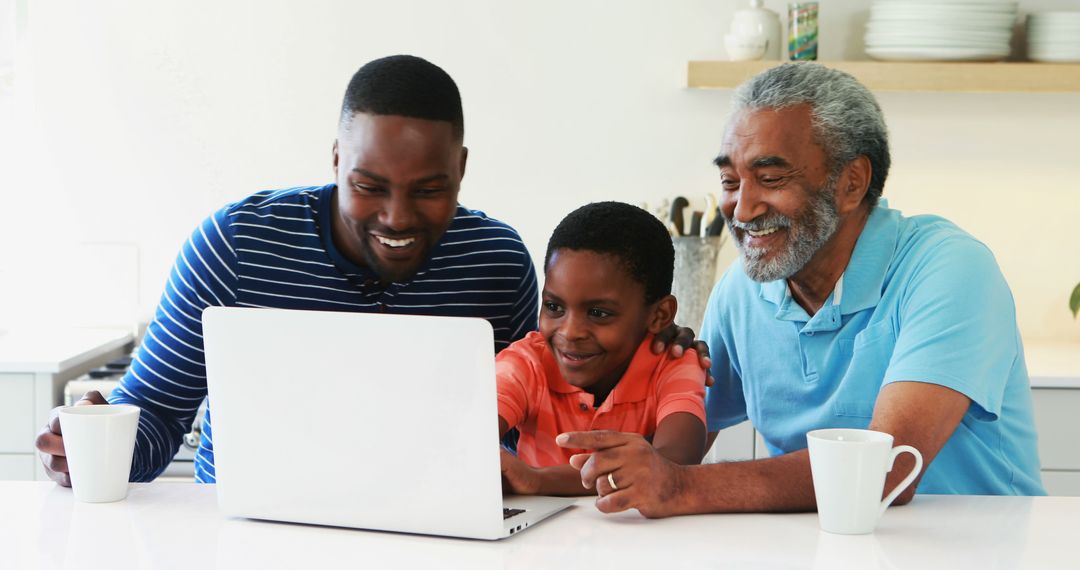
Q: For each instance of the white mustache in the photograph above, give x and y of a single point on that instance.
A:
(762, 223)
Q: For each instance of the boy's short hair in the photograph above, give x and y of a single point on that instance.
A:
(407, 86)
(636, 238)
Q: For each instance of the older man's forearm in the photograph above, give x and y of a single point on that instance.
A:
(777, 484)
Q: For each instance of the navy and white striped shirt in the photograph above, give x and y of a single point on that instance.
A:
(274, 249)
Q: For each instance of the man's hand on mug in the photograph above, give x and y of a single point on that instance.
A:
(50, 442)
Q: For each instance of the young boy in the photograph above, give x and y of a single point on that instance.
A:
(607, 291)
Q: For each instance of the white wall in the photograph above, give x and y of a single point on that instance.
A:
(136, 119)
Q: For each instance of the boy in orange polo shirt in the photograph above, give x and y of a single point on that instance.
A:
(607, 291)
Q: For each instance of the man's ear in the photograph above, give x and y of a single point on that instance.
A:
(464, 158)
(662, 313)
(334, 163)
(853, 184)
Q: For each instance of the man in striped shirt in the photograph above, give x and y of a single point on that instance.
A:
(389, 236)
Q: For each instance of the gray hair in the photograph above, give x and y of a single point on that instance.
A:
(845, 118)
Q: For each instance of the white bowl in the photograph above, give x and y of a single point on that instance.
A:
(939, 32)
(936, 54)
(1055, 16)
(976, 20)
(979, 3)
(1054, 50)
(1055, 57)
(944, 43)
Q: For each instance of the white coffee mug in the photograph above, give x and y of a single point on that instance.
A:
(849, 467)
(99, 442)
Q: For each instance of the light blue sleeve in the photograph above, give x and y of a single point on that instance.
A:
(725, 404)
(956, 325)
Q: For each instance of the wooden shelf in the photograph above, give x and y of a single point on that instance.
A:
(911, 76)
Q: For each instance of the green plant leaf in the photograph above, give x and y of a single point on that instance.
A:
(1074, 300)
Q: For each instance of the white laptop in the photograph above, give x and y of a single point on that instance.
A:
(373, 421)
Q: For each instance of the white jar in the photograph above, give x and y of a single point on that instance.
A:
(762, 22)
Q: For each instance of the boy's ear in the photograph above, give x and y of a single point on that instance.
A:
(663, 313)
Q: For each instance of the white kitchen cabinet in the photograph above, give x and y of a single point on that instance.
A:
(1062, 483)
(17, 466)
(34, 366)
(735, 443)
(1057, 419)
(1055, 393)
(17, 422)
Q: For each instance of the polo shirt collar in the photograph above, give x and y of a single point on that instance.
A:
(632, 387)
(828, 318)
(859, 287)
(865, 273)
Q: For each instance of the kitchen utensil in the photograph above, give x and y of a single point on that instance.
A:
(695, 223)
(676, 216)
(717, 225)
(710, 211)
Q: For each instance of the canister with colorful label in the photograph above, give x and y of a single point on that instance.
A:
(802, 31)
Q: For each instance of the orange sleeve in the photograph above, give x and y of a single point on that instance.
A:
(681, 387)
(515, 378)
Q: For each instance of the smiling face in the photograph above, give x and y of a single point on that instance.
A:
(594, 315)
(397, 186)
(778, 194)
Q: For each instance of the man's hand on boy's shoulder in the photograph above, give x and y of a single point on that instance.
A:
(676, 340)
(643, 479)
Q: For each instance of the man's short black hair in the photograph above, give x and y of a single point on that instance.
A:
(636, 238)
(406, 86)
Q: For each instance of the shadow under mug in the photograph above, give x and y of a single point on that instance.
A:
(849, 468)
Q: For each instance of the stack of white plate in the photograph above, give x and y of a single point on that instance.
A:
(942, 30)
(1053, 36)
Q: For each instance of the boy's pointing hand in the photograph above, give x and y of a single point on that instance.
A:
(642, 478)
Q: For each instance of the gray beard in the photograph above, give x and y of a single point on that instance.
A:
(806, 235)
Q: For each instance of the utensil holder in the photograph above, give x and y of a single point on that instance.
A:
(695, 273)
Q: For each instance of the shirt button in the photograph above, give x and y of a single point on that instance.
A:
(810, 333)
(584, 407)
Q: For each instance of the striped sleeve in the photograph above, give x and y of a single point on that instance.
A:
(167, 377)
(526, 308)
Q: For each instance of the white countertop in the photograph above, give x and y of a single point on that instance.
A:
(55, 350)
(176, 525)
(1053, 364)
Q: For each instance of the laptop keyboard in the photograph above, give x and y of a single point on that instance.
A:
(507, 513)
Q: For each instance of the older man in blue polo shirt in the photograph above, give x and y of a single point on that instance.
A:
(843, 313)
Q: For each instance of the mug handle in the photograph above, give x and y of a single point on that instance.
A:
(896, 451)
